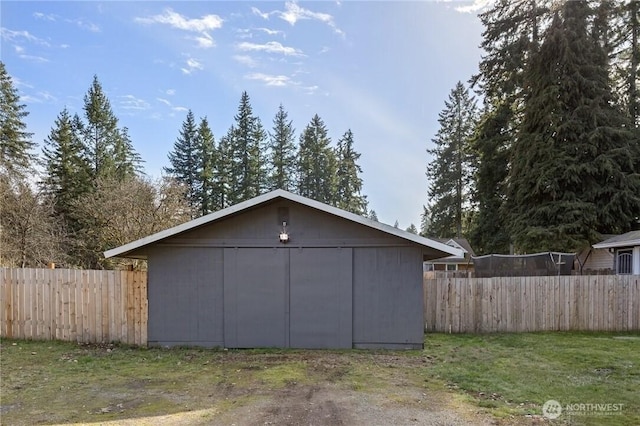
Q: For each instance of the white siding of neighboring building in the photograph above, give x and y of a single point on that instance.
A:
(599, 259)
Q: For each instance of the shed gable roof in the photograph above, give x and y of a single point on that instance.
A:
(630, 239)
(122, 251)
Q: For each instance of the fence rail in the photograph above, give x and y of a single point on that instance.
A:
(521, 304)
(77, 305)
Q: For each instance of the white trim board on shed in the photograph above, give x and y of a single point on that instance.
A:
(124, 250)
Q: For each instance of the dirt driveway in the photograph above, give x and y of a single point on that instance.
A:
(62, 384)
(334, 389)
(327, 404)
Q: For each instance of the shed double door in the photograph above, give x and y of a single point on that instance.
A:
(288, 297)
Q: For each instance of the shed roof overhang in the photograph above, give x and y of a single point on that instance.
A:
(630, 239)
(135, 249)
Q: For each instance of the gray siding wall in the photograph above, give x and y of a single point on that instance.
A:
(387, 297)
(307, 227)
(255, 291)
(185, 293)
(337, 284)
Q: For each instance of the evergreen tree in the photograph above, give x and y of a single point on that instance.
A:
(373, 215)
(127, 162)
(184, 161)
(511, 35)
(489, 233)
(425, 222)
(15, 141)
(100, 132)
(224, 171)
(573, 174)
(247, 153)
(349, 182)
(617, 28)
(66, 171)
(282, 153)
(316, 163)
(208, 189)
(412, 228)
(450, 171)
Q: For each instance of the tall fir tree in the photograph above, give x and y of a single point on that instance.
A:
(127, 162)
(184, 161)
(513, 33)
(66, 170)
(100, 132)
(16, 157)
(349, 183)
(224, 170)
(282, 153)
(425, 221)
(573, 175)
(316, 163)
(489, 232)
(450, 172)
(208, 188)
(247, 147)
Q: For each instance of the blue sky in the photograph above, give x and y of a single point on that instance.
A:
(381, 69)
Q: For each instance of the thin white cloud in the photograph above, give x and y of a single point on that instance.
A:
(15, 36)
(269, 47)
(246, 60)
(257, 11)
(192, 65)
(45, 17)
(33, 58)
(310, 90)
(269, 31)
(132, 102)
(204, 40)
(176, 20)
(38, 98)
(202, 25)
(271, 80)
(47, 96)
(170, 105)
(19, 83)
(18, 49)
(85, 25)
(244, 33)
(474, 7)
(170, 92)
(294, 13)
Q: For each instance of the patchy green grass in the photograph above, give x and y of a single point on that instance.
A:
(508, 376)
(515, 374)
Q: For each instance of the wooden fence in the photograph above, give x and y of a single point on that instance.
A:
(520, 304)
(76, 305)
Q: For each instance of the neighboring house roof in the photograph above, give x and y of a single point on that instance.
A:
(459, 243)
(630, 239)
(281, 194)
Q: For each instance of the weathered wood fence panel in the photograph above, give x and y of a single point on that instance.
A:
(520, 304)
(76, 305)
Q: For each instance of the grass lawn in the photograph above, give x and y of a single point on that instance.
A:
(515, 374)
(508, 376)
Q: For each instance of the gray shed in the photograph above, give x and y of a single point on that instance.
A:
(333, 280)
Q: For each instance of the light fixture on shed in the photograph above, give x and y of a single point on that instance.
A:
(284, 236)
